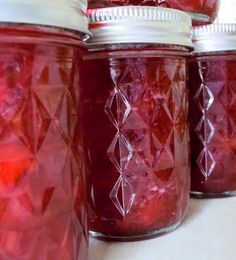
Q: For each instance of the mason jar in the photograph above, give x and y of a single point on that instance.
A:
(135, 124)
(202, 12)
(213, 111)
(42, 184)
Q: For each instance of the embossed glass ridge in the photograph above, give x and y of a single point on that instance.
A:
(120, 151)
(212, 121)
(204, 129)
(137, 143)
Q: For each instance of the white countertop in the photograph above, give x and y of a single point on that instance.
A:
(208, 233)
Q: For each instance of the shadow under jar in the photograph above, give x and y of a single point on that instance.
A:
(136, 134)
(213, 111)
(202, 12)
(42, 184)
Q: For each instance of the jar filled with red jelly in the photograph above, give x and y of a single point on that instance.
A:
(136, 134)
(202, 12)
(213, 111)
(42, 184)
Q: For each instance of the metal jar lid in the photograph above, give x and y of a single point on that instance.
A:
(139, 24)
(68, 14)
(214, 38)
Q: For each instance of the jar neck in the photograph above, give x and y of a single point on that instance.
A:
(140, 46)
(214, 54)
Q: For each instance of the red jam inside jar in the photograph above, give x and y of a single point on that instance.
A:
(42, 187)
(213, 124)
(202, 12)
(136, 139)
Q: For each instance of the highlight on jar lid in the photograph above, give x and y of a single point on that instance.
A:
(214, 37)
(67, 14)
(139, 24)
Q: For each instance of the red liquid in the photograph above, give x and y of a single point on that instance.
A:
(42, 193)
(213, 124)
(136, 138)
(207, 8)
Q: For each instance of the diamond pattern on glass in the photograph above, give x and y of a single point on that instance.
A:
(150, 104)
(43, 120)
(26, 202)
(35, 141)
(227, 96)
(163, 159)
(173, 102)
(14, 98)
(162, 125)
(132, 83)
(117, 108)
(146, 106)
(122, 196)
(120, 151)
(4, 204)
(49, 104)
(47, 197)
(180, 126)
(206, 162)
(204, 98)
(205, 129)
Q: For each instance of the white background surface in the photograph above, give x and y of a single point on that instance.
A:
(227, 12)
(207, 233)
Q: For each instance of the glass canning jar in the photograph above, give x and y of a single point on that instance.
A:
(136, 133)
(42, 185)
(201, 11)
(213, 111)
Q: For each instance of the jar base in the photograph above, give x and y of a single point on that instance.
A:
(208, 195)
(150, 235)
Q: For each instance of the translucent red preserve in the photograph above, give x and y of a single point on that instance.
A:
(42, 187)
(135, 107)
(213, 124)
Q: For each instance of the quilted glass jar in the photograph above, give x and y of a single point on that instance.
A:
(136, 134)
(213, 111)
(42, 184)
(201, 11)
